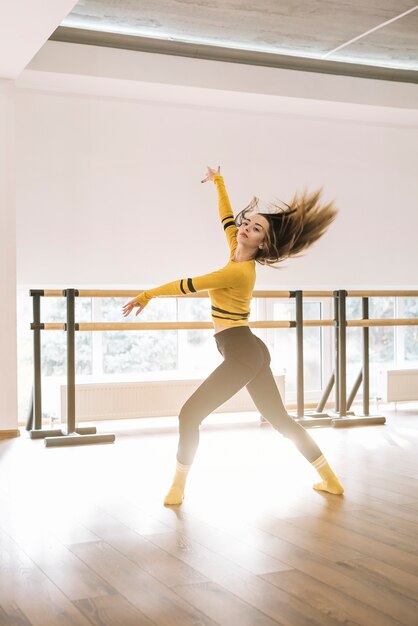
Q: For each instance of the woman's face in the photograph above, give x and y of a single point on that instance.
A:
(252, 231)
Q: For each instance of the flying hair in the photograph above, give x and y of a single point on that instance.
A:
(293, 227)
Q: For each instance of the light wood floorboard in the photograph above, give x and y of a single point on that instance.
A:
(85, 538)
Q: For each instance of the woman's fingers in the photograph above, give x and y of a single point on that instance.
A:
(127, 308)
(210, 173)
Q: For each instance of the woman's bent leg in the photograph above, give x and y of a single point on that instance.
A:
(263, 390)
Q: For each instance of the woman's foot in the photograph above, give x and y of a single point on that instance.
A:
(176, 492)
(330, 482)
(332, 486)
(174, 496)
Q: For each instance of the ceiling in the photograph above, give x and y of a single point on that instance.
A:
(372, 38)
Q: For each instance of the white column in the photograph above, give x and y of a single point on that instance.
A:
(8, 331)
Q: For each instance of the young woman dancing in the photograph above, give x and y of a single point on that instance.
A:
(253, 237)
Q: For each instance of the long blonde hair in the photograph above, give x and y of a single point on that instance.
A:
(293, 227)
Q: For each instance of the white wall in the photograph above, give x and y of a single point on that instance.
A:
(8, 365)
(108, 190)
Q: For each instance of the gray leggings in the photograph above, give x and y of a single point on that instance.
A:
(246, 363)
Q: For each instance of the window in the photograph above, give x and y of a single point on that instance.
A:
(139, 351)
(198, 354)
(407, 354)
(381, 340)
(282, 343)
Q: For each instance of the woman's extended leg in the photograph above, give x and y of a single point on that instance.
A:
(222, 384)
(263, 390)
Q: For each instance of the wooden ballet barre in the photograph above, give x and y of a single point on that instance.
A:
(272, 324)
(372, 294)
(129, 293)
(272, 294)
(108, 293)
(53, 326)
(143, 325)
(409, 321)
(317, 294)
(53, 293)
(91, 326)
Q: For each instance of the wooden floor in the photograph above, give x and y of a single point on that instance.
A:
(85, 539)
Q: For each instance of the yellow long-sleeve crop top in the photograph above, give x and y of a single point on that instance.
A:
(230, 288)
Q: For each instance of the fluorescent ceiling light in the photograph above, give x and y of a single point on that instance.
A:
(99, 26)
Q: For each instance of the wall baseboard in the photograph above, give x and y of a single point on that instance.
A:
(9, 434)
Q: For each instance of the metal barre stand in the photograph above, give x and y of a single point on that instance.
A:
(307, 419)
(73, 436)
(341, 416)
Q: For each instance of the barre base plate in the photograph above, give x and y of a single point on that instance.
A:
(41, 433)
(75, 439)
(358, 420)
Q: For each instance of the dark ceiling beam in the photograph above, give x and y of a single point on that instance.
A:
(230, 55)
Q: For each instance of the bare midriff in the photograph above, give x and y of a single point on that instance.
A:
(219, 328)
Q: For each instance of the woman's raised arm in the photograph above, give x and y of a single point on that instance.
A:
(224, 206)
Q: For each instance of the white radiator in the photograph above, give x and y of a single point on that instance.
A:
(101, 401)
(399, 385)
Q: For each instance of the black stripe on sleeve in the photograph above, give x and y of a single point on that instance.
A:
(228, 217)
(182, 288)
(244, 315)
(228, 224)
(190, 285)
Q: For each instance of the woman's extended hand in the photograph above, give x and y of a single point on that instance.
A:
(129, 306)
(211, 173)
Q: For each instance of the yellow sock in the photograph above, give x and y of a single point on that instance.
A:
(175, 494)
(329, 481)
